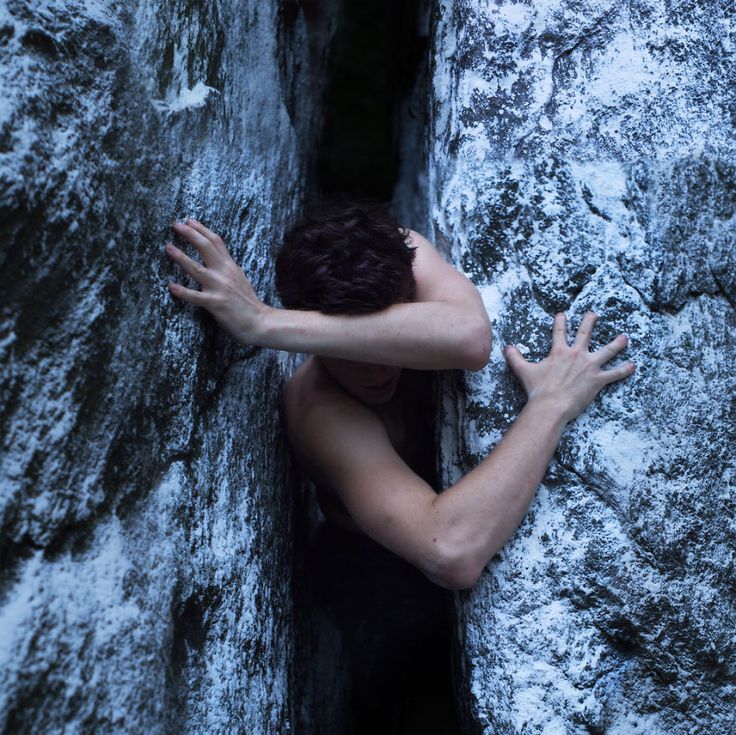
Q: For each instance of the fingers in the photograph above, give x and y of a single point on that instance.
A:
(609, 351)
(215, 239)
(196, 270)
(582, 338)
(204, 246)
(515, 360)
(187, 294)
(559, 330)
(209, 245)
(619, 372)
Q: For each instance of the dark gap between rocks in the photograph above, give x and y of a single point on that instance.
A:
(373, 62)
(373, 634)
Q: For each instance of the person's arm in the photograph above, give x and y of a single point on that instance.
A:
(446, 327)
(482, 510)
(450, 537)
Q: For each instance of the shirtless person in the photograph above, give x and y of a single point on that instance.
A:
(364, 305)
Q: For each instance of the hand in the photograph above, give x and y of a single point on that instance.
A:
(569, 377)
(226, 292)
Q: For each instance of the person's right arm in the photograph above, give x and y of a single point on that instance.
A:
(445, 327)
(450, 537)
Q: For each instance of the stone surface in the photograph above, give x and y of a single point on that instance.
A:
(146, 529)
(581, 156)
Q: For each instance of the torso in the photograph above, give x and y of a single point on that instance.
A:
(407, 419)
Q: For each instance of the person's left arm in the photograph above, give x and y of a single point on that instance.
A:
(446, 327)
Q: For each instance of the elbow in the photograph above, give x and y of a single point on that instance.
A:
(476, 348)
(461, 581)
(457, 572)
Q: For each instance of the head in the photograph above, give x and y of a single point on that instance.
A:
(348, 258)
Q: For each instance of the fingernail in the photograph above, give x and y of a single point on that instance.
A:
(186, 220)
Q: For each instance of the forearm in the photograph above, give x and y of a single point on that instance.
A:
(477, 515)
(418, 335)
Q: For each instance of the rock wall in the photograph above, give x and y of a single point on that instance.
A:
(146, 528)
(581, 156)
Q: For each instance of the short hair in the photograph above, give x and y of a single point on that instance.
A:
(345, 257)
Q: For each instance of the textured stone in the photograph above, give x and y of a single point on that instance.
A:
(146, 529)
(581, 156)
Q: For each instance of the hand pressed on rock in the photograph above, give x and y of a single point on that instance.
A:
(570, 377)
(226, 291)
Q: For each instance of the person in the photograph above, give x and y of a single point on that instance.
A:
(373, 304)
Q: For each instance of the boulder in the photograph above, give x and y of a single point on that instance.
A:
(146, 523)
(581, 156)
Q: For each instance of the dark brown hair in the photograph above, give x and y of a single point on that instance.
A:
(345, 257)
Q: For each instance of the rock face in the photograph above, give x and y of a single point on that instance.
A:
(146, 552)
(581, 156)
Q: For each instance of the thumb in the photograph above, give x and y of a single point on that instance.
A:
(515, 360)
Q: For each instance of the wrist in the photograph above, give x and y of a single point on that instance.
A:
(261, 327)
(549, 408)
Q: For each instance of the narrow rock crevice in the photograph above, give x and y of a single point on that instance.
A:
(376, 634)
(374, 60)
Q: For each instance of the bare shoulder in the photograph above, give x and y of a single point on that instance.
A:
(297, 387)
(306, 391)
(438, 280)
(318, 412)
(339, 441)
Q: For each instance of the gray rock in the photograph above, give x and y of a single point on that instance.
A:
(146, 541)
(581, 156)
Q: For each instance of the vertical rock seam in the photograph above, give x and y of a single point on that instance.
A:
(581, 156)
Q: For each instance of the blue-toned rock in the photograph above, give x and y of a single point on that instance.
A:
(581, 156)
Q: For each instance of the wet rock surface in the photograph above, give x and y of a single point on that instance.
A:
(581, 156)
(146, 528)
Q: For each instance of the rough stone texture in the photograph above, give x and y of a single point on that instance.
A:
(146, 529)
(581, 156)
